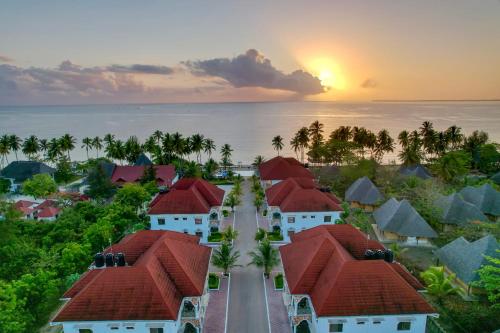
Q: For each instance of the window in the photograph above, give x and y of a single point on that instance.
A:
(156, 330)
(199, 234)
(327, 218)
(291, 232)
(336, 327)
(85, 330)
(129, 327)
(197, 220)
(176, 218)
(161, 221)
(291, 219)
(313, 216)
(114, 328)
(377, 321)
(184, 218)
(304, 216)
(404, 326)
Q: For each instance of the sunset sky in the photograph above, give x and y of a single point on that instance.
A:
(95, 51)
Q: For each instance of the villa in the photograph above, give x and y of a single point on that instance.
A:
(337, 280)
(122, 174)
(486, 198)
(297, 204)
(192, 206)
(280, 168)
(44, 211)
(363, 194)
(399, 221)
(417, 170)
(150, 282)
(455, 211)
(19, 171)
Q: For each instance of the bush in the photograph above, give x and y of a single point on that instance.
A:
(278, 281)
(215, 237)
(225, 213)
(274, 236)
(213, 281)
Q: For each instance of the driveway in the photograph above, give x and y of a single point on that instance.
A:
(247, 303)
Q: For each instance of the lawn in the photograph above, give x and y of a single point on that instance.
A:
(213, 281)
(215, 237)
(278, 281)
(274, 236)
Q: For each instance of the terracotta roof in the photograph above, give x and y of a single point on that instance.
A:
(24, 203)
(280, 168)
(46, 203)
(172, 266)
(188, 196)
(165, 174)
(301, 195)
(48, 212)
(325, 264)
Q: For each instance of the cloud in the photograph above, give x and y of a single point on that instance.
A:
(138, 68)
(252, 69)
(369, 84)
(5, 59)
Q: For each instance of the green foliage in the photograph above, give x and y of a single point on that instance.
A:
(225, 257)
(230, 234)
(213, 281)
(100, 186)
(133, 195)
(215, 237)
(452, 165)
(438, 284)
(260, 234)
(265, 256)
(488, 159)
(278, 281)
(489, 280)
(4, 185)
(63, 173)
(232, 200)
(149, 175)
(39, 186)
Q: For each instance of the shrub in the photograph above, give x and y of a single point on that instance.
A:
(213, 281)
(278, 281)
(225, 213)
(215, 237)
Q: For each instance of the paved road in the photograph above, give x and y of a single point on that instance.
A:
(247, 304)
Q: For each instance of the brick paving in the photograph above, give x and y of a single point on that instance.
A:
(278, 315)
(215, 317)
(227, 221)
(263, 222)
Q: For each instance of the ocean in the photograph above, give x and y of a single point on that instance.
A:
(247, 127)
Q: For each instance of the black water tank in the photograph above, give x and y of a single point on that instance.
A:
(120, 259)
(389, 255)
(369, 254)
(110, 260)
(99, 260)
(379, 254)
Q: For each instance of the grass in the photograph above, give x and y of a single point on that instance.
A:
(213, 281)
(221, 182)
(278, 281)
(274, 236)
(215, 237)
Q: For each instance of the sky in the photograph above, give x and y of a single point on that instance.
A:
(151, 51)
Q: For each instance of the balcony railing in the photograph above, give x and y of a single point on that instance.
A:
(188, 313)
(306, 310)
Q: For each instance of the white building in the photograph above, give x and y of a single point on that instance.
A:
(331, 287)
(280, 168)
(297, 204)
(192, 206)
(156, 282)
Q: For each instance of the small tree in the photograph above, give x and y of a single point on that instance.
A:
(39, 186)
(489, 279)
(452, 165)
(100, 186)
(133, 195)
(258, 201)
(260, 234)
(231, 201)
(437, 283)
(149, 175)
(229, 234)
(225, 257)
(4, 186)
(265, 256)
(63, 172)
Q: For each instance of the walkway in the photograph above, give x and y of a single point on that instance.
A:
(215, 316)
(278, 315)
(247, 303)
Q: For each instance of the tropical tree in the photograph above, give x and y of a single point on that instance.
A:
(197, 143)
(67, 144)
(226, 152)
(258, 160)
(191, 170)
(429, 137)
(225, 257)
(15, 144)
(44, 145)
(100, 186)
(316, 133)
(132, 149)
(133, 195)
(230, 234)
(265, 256)
(303, 140)
(97, 144)
(258, 201)
(295, 144)
(452, 165)
(31, 147)
(158, 136)
(232, 200)
(209, 147)
(260, 235)
(384, 144)
(403, 138)
(109, 139)
(489, 279)
(411, 152)
(54, 151)
(454, 136)
(4, 148)
(438, 284)
(87, 143)
(40, 186)
(210, 168)
(278, 143)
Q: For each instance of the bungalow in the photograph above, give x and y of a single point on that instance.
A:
(455, 211)
(143, 160)
(122, 174)
(19, 171)
(399, 221)
(26, 208)
(417, 170)
(150, 282)
(337, 280)
(464, 258)
(280, 168)
(496, 178)
(192, 206)
(45, 211)
(363, 194)
(486, 198)
(297, 204)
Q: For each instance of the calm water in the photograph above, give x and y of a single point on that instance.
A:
(248, 127)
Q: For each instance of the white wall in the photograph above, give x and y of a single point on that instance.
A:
(388, 324)
(184, 222)
(304, 220)
(105, 326)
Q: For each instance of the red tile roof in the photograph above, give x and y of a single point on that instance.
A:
(188, 196)
(280, 168)
(171, 266)
(46, 203)
(301, 195)
(326, 263)
(47, 212)
(165, 174)
(24, 203)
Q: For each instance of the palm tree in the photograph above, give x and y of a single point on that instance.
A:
(4, 148)
(258, 160)
(197, 143)
(295, 144)
(303, 139)
(132, 149)
(278, 143)
(15, 144)
(403, 139)
(225, 257)
(209, 147)
(97, 144)
(429, 136)
(232, 200)
(230, 234)
(454, 135)
(226, 152)
(67, 144)
(384, 144)
(54, 150)
(437, 283)
(316, 132)
(209, 168)
(44, 145)
(87, 144)
(118, 151)
(265, 256)
(158, 136)
(31, 147)
(109, 139)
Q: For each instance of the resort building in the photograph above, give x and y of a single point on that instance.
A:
(192, 206)
(150, 282)
(297, 204)
(486, 198)
(417, 170)
(399, 221)
(19, 171)
(143, 160)
(363, 194)
(458, 212)
(122, 174)
(337, 280)
(280, 168)
(464, 258)
(44, 211)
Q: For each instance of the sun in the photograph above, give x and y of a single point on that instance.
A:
(327, 78)
(328, 72)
